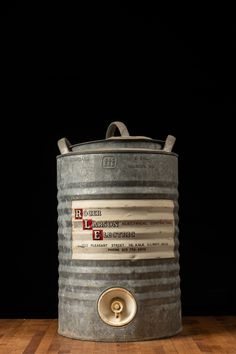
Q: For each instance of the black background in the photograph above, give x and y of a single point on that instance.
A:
(70, 72)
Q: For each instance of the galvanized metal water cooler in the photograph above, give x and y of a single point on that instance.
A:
(118, 238)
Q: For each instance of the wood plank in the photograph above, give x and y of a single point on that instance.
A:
(200, 335)
(46, 341)
(34, 342)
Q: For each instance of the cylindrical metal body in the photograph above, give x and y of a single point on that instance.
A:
(122, 195)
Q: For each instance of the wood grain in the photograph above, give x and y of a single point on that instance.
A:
(199, 335)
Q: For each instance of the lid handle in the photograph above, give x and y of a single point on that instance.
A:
(116, 125)
(64, 146)
(169, 143)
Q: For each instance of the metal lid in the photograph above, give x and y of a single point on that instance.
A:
(124, 142)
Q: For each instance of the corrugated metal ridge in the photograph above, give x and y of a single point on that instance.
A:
(126, 269)
(124, 183)
(146, 276)
(149, 298)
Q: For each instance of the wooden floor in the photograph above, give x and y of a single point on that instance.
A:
(199, 335)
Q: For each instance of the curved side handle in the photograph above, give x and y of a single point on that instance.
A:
(117, 125)
(169, 143)
(64, 146)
